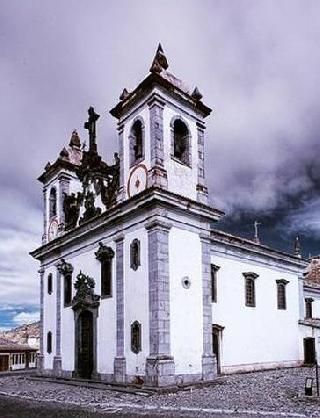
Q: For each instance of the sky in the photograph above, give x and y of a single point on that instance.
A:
(255, 62)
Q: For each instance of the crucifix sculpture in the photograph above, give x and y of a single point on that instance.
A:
(90, 125)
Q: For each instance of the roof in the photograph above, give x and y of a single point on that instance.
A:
(7, 345)
(312, 273)
(69, 159)
(161, 77)
(254, 247)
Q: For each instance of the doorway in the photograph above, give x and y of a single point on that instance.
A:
(85, 345)
(309, 351)
(4, 363)
(216, 344)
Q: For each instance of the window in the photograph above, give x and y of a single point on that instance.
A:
(136, 337)
(281, 294)
(181, 145)
(135, 254)
(49, 342)
(53, 202)
(136, 141)
(214, 271)
(250, 292)
(50, 283)
(67, 289)
(105, 256)
(308, 303)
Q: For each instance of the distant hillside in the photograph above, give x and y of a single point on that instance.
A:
(24, 334)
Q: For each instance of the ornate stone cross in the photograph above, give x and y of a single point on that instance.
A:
(90, 125)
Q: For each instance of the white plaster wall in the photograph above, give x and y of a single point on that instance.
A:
(106, 322)
(261, 334)
(136, 297)
(145, 115)
(181, 178)
(186, 319)
(49, 315)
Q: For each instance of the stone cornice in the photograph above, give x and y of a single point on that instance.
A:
(55, 168)
(114, 217)
(144, 88)
(247, 246)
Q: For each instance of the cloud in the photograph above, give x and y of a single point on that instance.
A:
(26, 317)
(256, 64)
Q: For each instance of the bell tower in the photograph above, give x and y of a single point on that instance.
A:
(161, 135)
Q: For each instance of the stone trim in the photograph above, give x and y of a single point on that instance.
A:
(64, 183)
(120, 361)
(160, 363)
(157, 174)
(209, 361)
(57, 360)
(45, 216)
(40, 357)
(120, 195)
(202, 191)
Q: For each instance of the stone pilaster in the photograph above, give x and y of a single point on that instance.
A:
(45, 216)
(160, 363)
(40, 357)
(121, 191)
(57, 360)
(119, 361)
(157, 174)
(64, 182)
(209, 361)
(202, 191)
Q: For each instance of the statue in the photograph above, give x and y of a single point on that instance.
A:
(91, 211)
(84, 296)
(71, 209)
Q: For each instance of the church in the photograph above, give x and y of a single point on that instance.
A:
(137, 285)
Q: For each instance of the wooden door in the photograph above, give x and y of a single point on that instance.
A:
(85, 349)
(4, 363)
(309, 351)
(216, 348)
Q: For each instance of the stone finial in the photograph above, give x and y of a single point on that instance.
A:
(124, 94)
(196, 95)
(256, 238)
(297, 247)
(159, 62)
(64, 153)
(75, 139)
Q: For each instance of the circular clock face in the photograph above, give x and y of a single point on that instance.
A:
(53, 229)
(138, 180)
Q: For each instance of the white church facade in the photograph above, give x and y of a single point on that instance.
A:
(137, 284)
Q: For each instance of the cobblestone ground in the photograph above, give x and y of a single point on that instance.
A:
(269, 393)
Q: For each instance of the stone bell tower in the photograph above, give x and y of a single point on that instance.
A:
(161, 135)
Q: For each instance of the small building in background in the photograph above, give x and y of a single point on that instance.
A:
(310, 312)
(15, 356)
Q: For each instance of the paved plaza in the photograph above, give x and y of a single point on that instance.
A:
(269, 393)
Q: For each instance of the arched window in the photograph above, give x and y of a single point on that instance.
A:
(49, 342)
(135, 254)
(53, 202)
(181, 142)
(50, 283)
(136, 142)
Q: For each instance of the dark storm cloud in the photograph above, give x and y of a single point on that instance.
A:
(256, 63)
